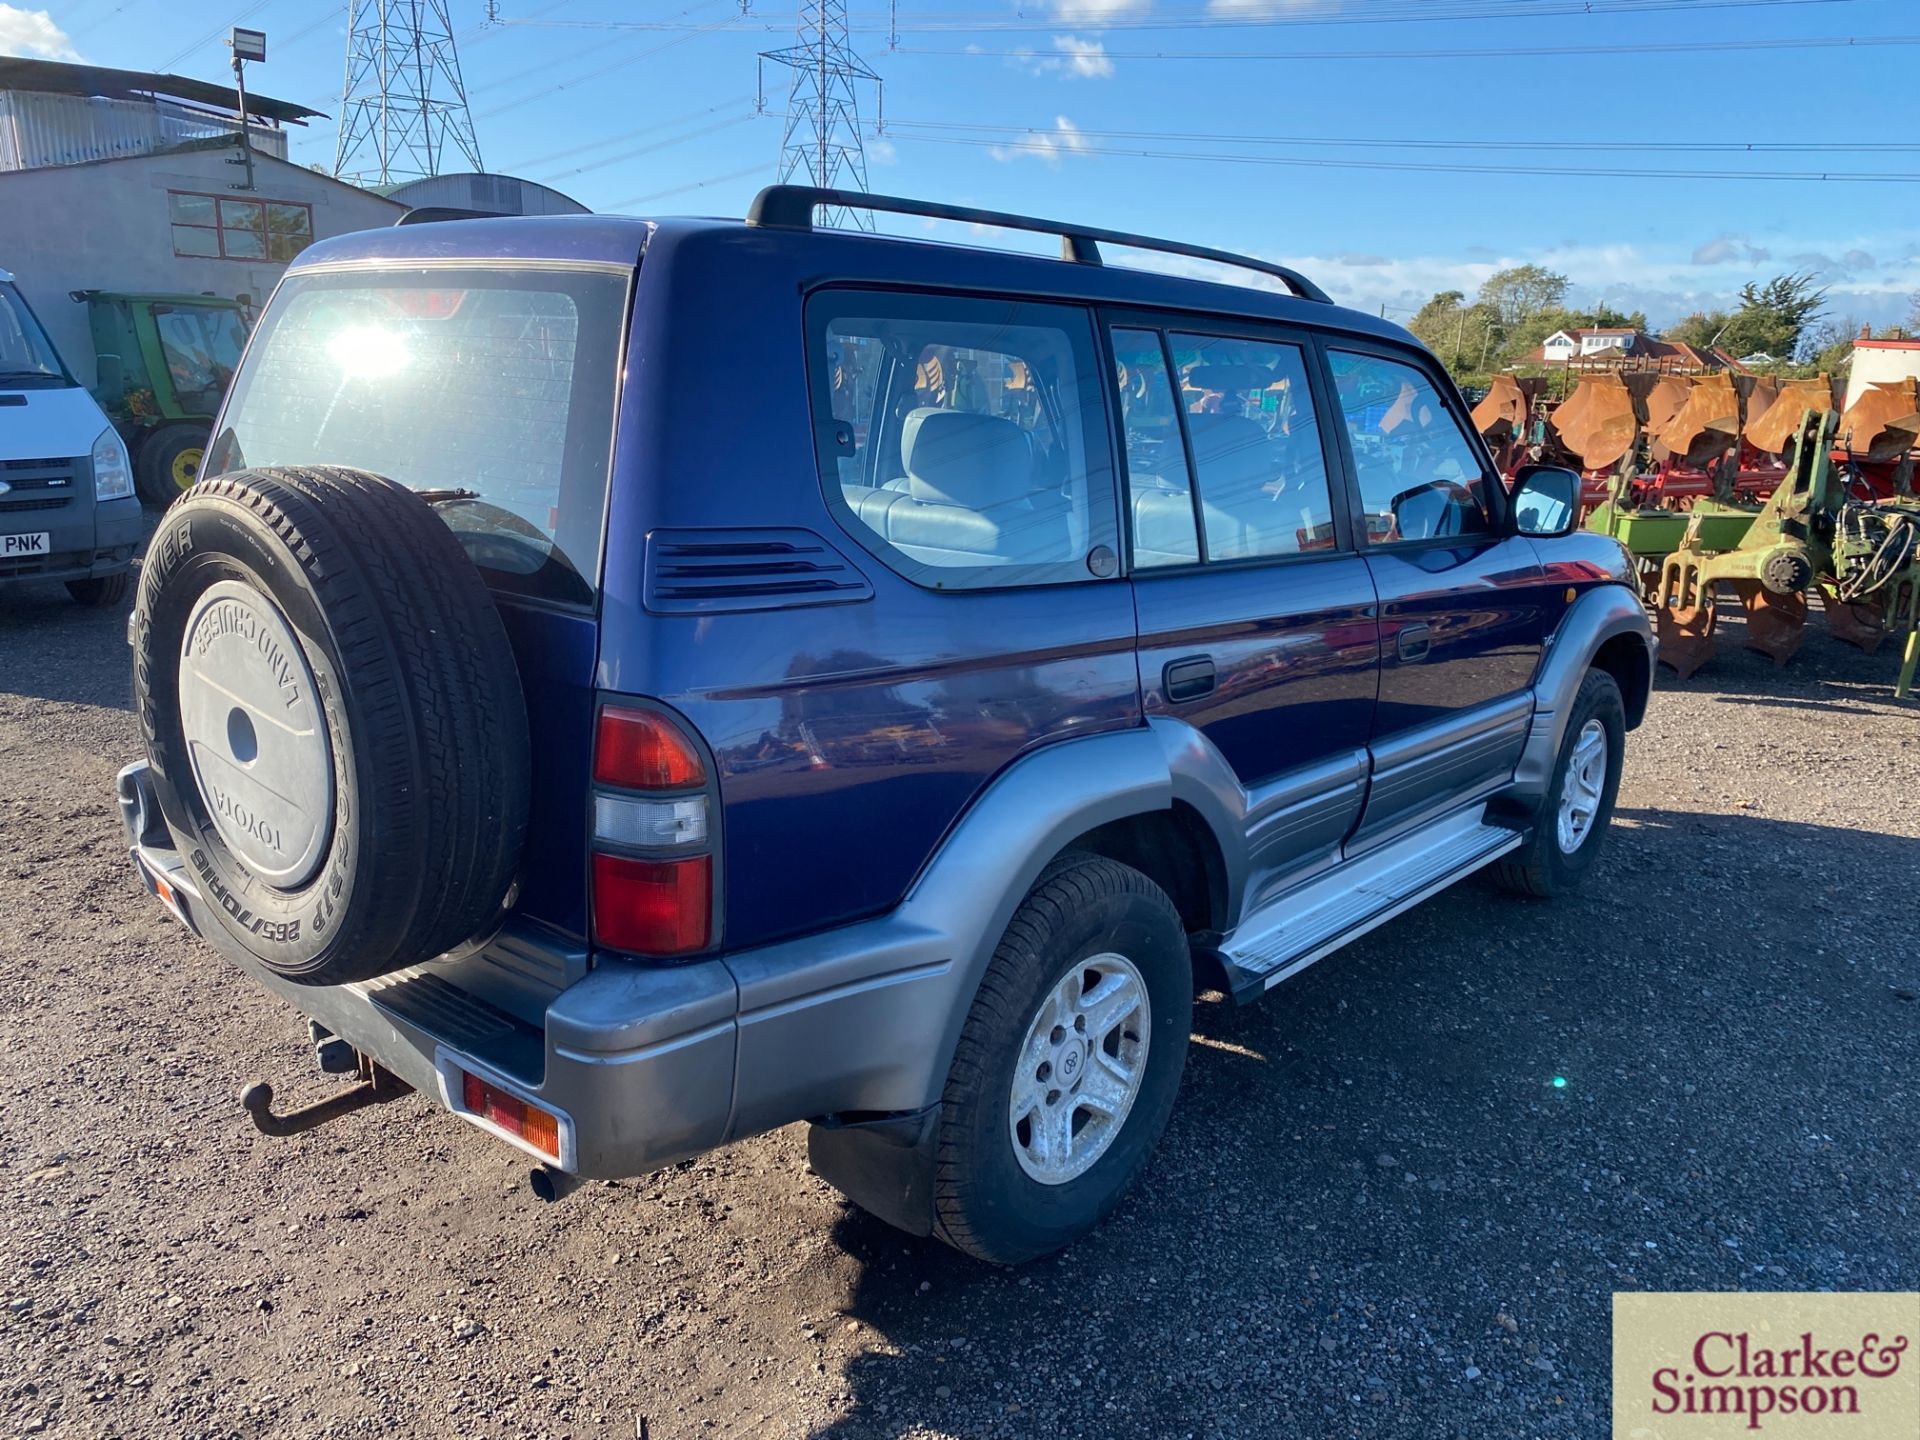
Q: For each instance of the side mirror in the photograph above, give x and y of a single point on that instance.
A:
(1546, 500)
(112, 377)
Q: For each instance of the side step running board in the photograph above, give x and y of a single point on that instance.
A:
(1293, 930)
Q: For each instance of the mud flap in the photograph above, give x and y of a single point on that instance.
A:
(883, 1164)
(1776, 623)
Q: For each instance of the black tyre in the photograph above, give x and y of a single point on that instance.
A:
(1572, 823)
(102, 590)
(334, 721)
(169, 461)
(1067, 1067)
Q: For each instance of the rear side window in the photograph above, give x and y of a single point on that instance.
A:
(962, 440)
(1420, 477)
(498, 383)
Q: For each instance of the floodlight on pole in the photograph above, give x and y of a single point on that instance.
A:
(246, 45)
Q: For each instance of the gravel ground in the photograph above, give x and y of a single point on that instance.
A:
(1373, 1212)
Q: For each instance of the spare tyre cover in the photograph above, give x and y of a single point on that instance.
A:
(334, 722)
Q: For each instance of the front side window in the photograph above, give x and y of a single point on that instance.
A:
(1256, 447)
(962, 440)
(1420, 478)
(499, 384)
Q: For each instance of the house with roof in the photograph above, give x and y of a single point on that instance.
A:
(1622, 348)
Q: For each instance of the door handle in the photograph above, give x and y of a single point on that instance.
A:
(1413, 642)
(1188, 679)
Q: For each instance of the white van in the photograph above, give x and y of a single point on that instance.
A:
(67, 507)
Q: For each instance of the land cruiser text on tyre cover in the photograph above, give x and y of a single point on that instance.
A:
(649, 682)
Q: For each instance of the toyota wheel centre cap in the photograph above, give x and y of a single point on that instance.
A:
(256, 734)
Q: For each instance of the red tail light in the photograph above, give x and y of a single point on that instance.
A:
(653, 907)
(653, 862)
(642, 750)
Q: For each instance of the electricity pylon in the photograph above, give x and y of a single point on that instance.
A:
(821, 144)
(403, 104)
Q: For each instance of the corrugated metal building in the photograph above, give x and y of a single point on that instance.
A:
(484, 193)
(53, 113)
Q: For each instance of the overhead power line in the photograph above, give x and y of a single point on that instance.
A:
(1272, 13)
(534, 162)
(631, 201)
(692, 33)
(1044, 144)
(550, 177)
(1742, 147)
(1812, 42)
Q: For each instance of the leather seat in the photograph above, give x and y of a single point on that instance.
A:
(969, 496)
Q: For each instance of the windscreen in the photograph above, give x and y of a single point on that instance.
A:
(27, 357)
(201, 345)
(494, 389)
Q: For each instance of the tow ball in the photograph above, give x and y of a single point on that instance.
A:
(377, 1086)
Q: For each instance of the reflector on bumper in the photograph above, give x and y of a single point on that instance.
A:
(489, 1103)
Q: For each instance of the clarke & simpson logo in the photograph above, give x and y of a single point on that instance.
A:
(1700, 1365)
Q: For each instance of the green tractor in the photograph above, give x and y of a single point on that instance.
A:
(164, 361)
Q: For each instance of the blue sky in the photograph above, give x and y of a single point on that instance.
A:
(1046, 107)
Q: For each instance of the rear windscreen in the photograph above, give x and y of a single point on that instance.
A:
(498, 383)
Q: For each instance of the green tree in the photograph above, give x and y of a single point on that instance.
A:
(1773, 317)
(1459, 333)
(1605, 317)
(1702, 329)
(1522, 291)
(1829, 345)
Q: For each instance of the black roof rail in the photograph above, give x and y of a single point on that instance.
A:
(791, 207)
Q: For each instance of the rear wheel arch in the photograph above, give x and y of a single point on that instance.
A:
(1177, 850)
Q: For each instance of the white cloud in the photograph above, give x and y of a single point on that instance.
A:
(1047, 146)
(1093, 12)
(1085, 58)
(881, 151)
(1079, 59)
(1725, 249)
(33, 33)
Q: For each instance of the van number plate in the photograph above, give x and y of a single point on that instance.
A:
(11, 545)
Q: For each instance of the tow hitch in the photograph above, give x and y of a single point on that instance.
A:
(377, 1086)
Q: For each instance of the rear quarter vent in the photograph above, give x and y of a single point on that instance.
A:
(703, 572)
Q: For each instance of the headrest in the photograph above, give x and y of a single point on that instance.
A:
(953, 457)
(1222, 441)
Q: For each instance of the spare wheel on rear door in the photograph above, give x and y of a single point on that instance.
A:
(334, 722)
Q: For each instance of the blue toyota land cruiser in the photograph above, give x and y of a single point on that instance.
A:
(651, 682)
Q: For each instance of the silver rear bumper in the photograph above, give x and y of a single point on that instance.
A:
(637, 1061)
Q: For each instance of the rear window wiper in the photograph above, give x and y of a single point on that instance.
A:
(442, 496)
